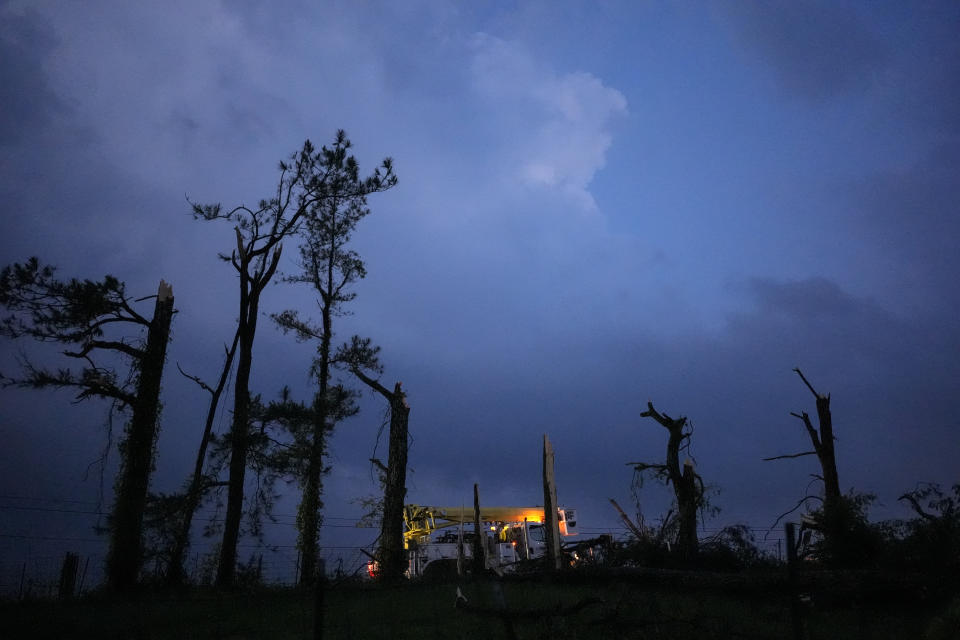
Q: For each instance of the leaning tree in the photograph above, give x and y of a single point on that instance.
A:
(200, 482)
(98, 319)
(688, 487)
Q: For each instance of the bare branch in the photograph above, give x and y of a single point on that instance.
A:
(373, 384)
(916, 507)
(792, 455)
(643, 466)
(203, 385)
(806, 382)
(795, 507)
(113, 345)
(623, 516)
(815, 439)
(662, 418)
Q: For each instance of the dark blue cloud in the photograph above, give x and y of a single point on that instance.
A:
(818, 50)
(27, 102)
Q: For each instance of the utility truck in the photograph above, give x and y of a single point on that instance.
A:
(437, 544)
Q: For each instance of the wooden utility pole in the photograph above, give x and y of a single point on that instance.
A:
(479, 548)
(633, 528)
(551, 523)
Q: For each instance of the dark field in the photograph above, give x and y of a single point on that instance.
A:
(637, 606)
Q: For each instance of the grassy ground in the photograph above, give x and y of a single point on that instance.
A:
(610, 608)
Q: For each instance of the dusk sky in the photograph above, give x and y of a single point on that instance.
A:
(599, 204)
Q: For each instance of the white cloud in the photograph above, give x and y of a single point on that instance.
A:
(556, 126)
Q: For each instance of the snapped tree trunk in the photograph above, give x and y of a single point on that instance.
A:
(478, 548)
(391, 528)
(551, 524)
(126, 540)
(391, 555)
(834, 524)
(687, 487)
(823, 443)
(688, 512)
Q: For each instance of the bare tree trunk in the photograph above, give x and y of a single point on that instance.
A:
(551, 524)
(308, 518)
(391, 527)
(688, 512)
(195, 491)
(126, 543)
(823, 445)
(251, 286)
(239, 434)
(685, 482)
(478, 547)
(632, 527)
(828, 457)
(834, 523)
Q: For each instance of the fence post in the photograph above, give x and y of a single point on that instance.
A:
(68, 575)
(318, 598)
(296, 569)
(83, 576)
(795, 612)
(23, 574)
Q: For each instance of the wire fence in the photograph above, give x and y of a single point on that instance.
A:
(33, 565)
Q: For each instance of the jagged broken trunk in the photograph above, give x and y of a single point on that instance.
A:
(688, 500)
(392, 563)
(687, 485)
(126, 522)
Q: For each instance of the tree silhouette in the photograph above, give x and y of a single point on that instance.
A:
(362, 360)
(329, 267)
(94, 315)
(688, 488)
(199, 482)
(310, 181)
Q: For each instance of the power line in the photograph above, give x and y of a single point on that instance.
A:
(209, 519)
(4, 497)
(55, 538)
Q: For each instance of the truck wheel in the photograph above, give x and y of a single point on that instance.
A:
(440, 570)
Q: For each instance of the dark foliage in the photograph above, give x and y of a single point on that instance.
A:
(930, 542)
(312, 183)
(329, 267)
(93, 316)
